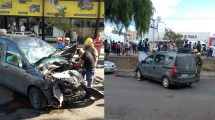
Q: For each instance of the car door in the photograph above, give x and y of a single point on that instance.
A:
(146, 64)
(156, 71)
(14, 75)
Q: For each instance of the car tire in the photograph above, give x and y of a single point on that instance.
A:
(139, 75)
(165, 82)
(37, 98)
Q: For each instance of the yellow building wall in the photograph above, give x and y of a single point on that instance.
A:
(34, 8)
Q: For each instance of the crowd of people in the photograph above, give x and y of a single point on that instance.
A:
(129, 48)
(205, 51)
(120, 48)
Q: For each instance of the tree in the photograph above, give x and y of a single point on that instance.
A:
(61, 22)
(125, 12)
(171, 35)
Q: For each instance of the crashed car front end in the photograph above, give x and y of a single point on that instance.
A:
(64, 85)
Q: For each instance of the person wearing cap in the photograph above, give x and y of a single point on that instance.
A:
(87, 61)
(198, 63)
(90, 48)
(59, 43)
(58, 39)
(98, 43)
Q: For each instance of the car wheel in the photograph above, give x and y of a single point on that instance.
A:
(165, 82)
(139, 75)
(37, 98)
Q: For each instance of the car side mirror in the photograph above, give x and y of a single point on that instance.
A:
(20, 64)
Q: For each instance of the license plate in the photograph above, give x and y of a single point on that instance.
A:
(184, 75)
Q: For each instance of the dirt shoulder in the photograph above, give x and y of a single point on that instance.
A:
(208, 64)
(124, 62)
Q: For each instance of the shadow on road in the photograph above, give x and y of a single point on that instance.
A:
(173, 87)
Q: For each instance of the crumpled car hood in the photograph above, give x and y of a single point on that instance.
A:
(66, 84)
(68, 52)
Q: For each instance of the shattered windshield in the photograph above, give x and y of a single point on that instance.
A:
(36, 52)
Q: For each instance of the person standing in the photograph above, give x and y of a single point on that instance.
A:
(87, 61)
(122, 48)
(185, 44)
(127, 47)
(113, 46)
(141, 50)
(146, 45)
(199, 46)
(141, 45)
(117, 46)
(174, 47)
(190, 45)
(98, 43)
(194, 46)
(106, 47)
(90, 48)
(22, 27)
(198, 63)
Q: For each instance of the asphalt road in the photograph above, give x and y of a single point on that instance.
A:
(129, 99)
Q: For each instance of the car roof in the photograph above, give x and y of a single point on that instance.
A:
(22, 41)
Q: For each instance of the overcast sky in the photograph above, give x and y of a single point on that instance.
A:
(187, 15)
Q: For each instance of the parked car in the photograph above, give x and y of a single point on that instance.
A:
(109, 67)
(170, 68)
(34, 68)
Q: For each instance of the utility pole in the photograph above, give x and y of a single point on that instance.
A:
(43, 20)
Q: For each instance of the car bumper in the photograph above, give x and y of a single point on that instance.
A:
(109, 69)
(183, 81)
